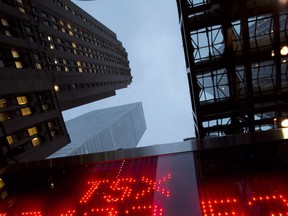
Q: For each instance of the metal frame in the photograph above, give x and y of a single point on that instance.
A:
(236, 72)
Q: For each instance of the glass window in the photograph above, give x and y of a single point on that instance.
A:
(52, 46)
(49, 38)
(15, 54)
(2, 64)
(26, 111)
(38, 66)
(18, 64)
(1, 184)
(3, 103)
(36, 141)
(28, 29)
(36, 56)
(4, 22)
(71, 33)
(22, 100)
(7, 33)
(20, 1)
(4, 117)
(56, 88)
(9, 140)
(22, 10)
(32, 131)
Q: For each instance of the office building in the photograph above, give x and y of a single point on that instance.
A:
(53, 57)
(236, 64)
(104, 130)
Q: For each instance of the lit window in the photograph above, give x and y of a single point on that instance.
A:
(61, 22)
(18, 64)
(20, 1)
(26, 111)
(69, 26)
(22, 10)
(56, 60)
(3, 103)
(66, 69)
(45, 107)
(22, 100)
(64, 30)
(38, 66)
(7, 33)
(9, 140)
(36, 141)
(80, 70)
(4, 22)
(74, 45)
(52, 46)
(71, 33)
(78, 63)
(49, 38)
(50, 124)
(4, 117)
(15, 54)
(1, 184)
(284, 50)
(32, 131)
(56, 88)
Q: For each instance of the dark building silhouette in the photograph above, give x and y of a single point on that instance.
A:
(53, 57)
(236, 58)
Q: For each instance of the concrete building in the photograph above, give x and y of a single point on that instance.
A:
(104, 130)
(53, 56)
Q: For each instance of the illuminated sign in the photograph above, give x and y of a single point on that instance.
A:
(141, 186)
(152, 186)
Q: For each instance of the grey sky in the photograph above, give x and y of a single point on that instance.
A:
(150, 33)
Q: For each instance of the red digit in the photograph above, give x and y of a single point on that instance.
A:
(219, 207)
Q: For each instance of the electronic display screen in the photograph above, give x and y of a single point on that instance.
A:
(156, 185)
(175, 184)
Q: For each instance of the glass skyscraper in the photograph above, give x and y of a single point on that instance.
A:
(104, 130)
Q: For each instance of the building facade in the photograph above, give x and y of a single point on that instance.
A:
(236, 64)
(53, 57)
(104, 130)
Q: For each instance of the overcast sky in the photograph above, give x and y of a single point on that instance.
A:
(150, 33)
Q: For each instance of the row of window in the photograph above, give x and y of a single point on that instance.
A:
(66, 7)
(59, 44)
(44, 103)
(59, 64)
(85, 85)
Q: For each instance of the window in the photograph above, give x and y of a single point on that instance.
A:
(49, 38)
(4, 22)
(4, 117)
(71, 33)
(22, 100)
(56, 88)
(31, 39)
(18, 64)
(38, 66)
(20, 1)
(15, 54)
(45, 107)
(36, 141)
(28, 29)
(52, 46)
(22, 10)
(36, 56)
(9, 140)
(1, 64)
(32, 131)
(3, 103)
(50, 124)
(26, 111)
(44, 14)
(7, 33)
(1, 184)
